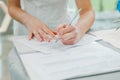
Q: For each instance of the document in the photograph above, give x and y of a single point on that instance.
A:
(24, 45)
(79, 61)
(111, 36)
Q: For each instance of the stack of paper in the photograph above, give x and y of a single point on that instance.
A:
(79, 61)
(56, 61)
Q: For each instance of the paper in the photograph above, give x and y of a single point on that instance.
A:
(21, 48)
(52, 47)
(79, 61)
(111, 36)
(58, 61)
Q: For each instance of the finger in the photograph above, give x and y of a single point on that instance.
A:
(69, 36)
(60, 27)
(44, 36)
(30, 36)
(40, 38)
(69, 42)
(37, 35)
(68, 29)
(49, 32)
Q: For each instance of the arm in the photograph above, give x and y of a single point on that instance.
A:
(16, 12)
(72, 34)
(86, 15)
(35, 26)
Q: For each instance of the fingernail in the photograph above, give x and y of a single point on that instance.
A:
(40, 40)
(55, 33)
(29, 38)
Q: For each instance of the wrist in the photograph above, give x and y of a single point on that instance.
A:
(31, 22)
(80, 31)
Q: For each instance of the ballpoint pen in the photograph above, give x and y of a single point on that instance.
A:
(71, 22)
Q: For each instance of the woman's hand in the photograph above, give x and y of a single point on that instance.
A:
(69, 34)
(39, 30)
(36, 28)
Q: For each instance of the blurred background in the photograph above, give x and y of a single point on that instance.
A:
(105, 11)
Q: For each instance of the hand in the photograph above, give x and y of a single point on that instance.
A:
(69, 34)
(39, 30)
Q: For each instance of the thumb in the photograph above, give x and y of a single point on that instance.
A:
(61, 26)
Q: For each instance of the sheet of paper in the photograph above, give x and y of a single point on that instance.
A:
(51, 47)
(21, 48)
(111, 36)
(79, 61)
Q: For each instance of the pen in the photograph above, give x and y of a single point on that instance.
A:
(71, 21)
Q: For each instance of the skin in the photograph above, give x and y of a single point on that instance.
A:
(68, 34)
(73, 33)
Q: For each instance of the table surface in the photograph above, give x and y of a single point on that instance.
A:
(16, 67)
